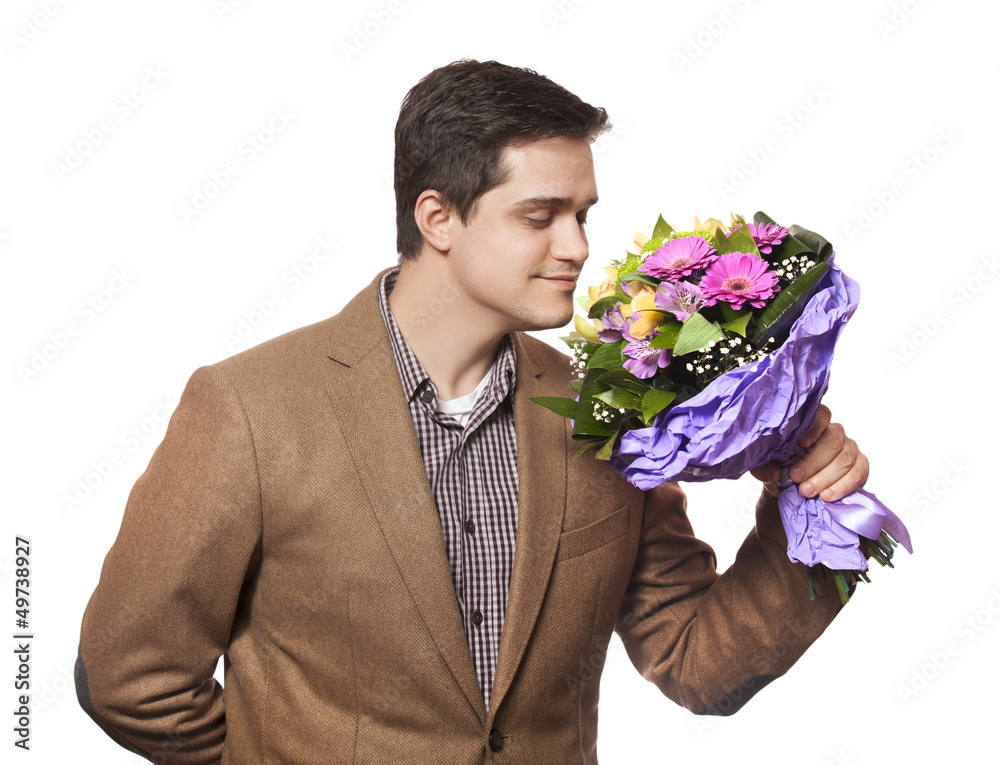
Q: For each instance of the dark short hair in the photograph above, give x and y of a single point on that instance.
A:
(455, 124)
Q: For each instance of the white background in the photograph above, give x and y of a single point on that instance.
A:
(873, 123)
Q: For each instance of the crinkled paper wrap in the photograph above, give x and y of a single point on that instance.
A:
(748, 417)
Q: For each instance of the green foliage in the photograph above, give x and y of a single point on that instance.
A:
(740, 240)
(564, 407)
(779, 316)
(735, 320)
(607, 356)
(696, 333)
(668, 335)
(654, 402)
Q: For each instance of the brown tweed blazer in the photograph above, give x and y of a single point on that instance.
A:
(286, 524)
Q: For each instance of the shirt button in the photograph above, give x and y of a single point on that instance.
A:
(477, 617)
(496, 740)
(470, 526)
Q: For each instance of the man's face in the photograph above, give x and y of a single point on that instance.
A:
(518, 258)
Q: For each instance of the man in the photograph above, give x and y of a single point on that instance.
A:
(388, 542)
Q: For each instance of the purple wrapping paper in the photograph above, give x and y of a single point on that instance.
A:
(746, 418)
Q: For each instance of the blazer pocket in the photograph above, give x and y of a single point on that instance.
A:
(590, 537)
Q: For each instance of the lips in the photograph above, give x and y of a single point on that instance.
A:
(562, 277)
(565, 282)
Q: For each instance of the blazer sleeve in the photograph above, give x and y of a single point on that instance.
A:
(162, 612)
(709, 641)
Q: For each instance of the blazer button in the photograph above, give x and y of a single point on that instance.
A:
(496, 740)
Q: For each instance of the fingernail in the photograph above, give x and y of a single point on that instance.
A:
(807, 489)
(826, 494)
(796, 474)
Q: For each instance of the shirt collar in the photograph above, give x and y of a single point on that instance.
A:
(411, 372)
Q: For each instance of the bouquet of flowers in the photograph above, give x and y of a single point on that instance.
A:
(707, 353)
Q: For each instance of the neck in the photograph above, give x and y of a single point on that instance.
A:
(447, 331)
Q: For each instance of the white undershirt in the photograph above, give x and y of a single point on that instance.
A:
(461, 408)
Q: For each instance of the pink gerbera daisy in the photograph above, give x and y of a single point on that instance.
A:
(679, 258)
(739, 278)
(767, 235)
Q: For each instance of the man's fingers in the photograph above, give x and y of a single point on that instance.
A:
(841, 471)
(823, 417)
(824, 450)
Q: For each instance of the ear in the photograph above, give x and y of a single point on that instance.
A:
(433, 218)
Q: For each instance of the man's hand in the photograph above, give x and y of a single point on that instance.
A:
(832, 467)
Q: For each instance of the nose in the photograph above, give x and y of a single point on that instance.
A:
(569, 241)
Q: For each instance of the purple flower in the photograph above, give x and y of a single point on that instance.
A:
(641, 360)
(767, 235)
(612, 321)
(679, 258)
(739, 277)
(682, 299)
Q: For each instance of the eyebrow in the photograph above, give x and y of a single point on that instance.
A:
(552, 202)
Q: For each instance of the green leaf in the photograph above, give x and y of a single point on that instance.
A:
(696, 333)
(582, 301)
(597, 309)
(619, 398)
(735, 321)
(812, 240)
(589, 446)
(564, 407)
(662, 228)
(741, 240)
(760, 219)
(586, 427)
(778, 318)
(654, 402)
(576, 385)
(668, 335)
(607, 356)
(604, 453)
(622, 378)
(638, 276)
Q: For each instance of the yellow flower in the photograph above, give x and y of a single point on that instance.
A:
(639, 240)
(607, 288)
(586, 327)
(644, 303)
(710, 225)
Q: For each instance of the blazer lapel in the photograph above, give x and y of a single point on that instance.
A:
(541, 502)
(368, 399)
